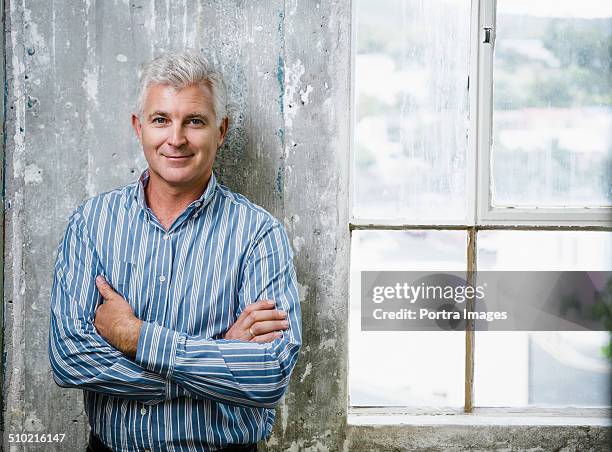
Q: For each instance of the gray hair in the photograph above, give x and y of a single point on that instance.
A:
(180, 70)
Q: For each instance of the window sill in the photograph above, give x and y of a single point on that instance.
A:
(600, 417)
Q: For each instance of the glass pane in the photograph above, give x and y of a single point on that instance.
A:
(389, 368)
(543, 368)
(552, 119)
(411, 70)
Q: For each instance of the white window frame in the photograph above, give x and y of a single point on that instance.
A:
(487, 214)
(481, 215)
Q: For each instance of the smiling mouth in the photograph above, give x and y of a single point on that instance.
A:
(178, 157)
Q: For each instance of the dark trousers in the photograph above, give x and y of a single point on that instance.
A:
(95, 445)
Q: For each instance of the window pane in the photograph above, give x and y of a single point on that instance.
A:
(411, 70)
(543, 368)
(552, 120)
(389, 368)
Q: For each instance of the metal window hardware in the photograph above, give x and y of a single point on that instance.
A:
(487, 35)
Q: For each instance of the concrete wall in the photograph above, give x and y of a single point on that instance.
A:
(71, 68)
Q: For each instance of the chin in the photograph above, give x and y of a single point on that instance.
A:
(179, 176)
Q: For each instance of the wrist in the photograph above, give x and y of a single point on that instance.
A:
(127, 334)
(134, 335)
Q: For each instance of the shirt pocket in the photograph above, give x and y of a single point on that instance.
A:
(119, 276)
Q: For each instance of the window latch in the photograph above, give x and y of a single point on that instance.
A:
(487, 35)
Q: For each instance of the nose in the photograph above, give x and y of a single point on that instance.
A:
(177, 136)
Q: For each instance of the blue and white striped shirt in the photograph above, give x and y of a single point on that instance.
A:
(187, 388)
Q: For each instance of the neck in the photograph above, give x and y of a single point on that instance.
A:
(168, 202)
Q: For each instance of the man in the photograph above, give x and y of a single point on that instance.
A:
(174, 304)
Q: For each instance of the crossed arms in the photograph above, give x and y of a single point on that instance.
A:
(168, 363)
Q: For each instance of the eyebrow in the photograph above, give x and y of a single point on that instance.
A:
(158, 113)
(196, 115)
(189, 116)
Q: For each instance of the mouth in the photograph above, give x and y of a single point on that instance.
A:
(177, 158)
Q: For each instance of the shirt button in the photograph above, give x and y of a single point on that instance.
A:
(195, 215)
(143, 411)
(198, 204)
(162, 278)
(166, 237)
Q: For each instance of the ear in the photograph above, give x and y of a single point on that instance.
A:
(222, 131)
(137, 126)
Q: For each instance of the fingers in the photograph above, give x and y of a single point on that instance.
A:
(269, 337)
(258, 306)
(265, 327)
(258, 322)
(104, 287)
(254, 312)
(263, 316)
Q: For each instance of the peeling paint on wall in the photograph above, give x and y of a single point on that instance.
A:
(303, 292)
(298, 243)
(33, 174)
(293, 75)
(305, 94)
(280, 77)
(306, 372)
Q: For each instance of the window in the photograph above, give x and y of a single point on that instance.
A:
(481, 140)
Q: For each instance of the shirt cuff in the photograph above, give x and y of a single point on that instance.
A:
(157, 347)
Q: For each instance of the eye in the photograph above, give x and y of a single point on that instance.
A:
(159, 120)
(196, 121)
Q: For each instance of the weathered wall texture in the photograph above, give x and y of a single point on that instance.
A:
(72, 69)
(477, 438)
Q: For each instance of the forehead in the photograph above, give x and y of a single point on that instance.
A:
(178, 100)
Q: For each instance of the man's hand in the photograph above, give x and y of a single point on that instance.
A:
(115, 320)
(259, 322)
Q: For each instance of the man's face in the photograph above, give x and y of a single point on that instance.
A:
(179, 135)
